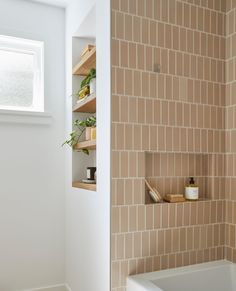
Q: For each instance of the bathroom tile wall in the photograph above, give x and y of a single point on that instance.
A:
(230, 250)
(168, 104)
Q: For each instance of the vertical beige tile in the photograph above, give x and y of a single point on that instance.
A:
(128, 245)
(128, 82)
(137, 244)
(161, 86)
(172, 9)
(132, 55)
(141, 217)
(137, 83)
(176, 37)
(168, 240)
(168, 36)
(124, 112)
(115, 274)
(169, 139)
(161, 242)
(136, 29)
(137, 137)
(182, 239)
(186, 15)
(145, 31)
(119, 25)
(124, 164)
(176, 240)
(161, 35)
(128, 27)
(161, 138)
(120, 251)
(115, 164)
(115, 52)
(179, 13)
(172, 63)
(183, 39)
(165, 216)
(153, 33)
(124, 5)
(165, 10)
(145, 244)
(141, 56)
(132, 6)
(153, 243)
(120, 81)
(141, 8)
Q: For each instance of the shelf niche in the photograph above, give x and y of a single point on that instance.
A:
(82, 109)
(169, 173)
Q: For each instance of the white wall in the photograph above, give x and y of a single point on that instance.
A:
(88, 213)
(32, 165)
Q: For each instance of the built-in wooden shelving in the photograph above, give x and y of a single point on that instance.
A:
(86, 105)
(88, 144)
(86, 64)
(91, 187)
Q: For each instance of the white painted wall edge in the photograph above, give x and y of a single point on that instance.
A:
(14, 116)
(60, 287)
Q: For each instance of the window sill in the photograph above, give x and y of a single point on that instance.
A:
(25, 117)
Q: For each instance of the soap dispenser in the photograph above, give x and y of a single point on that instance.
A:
(191, 190)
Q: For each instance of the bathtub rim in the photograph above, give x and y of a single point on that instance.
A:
(144, 280)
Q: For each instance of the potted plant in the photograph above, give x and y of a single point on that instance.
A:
(80, 127)
(88, 85)
(92, 81)
(87, 125)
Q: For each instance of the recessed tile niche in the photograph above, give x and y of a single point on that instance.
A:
(169, 173)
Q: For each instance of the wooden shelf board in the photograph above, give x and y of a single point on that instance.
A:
(86, 64)
(88, 104)
(91, 187)
(88, 144)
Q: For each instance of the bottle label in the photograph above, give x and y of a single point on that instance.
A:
(88, 174)
(191, 193)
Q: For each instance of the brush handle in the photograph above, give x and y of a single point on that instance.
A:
(148, 185)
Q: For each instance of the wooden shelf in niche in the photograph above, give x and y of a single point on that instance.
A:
(87, 105)
(86, 64)
(91, 187)
(88, 144)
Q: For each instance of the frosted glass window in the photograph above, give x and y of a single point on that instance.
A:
(21, 74)
(17, 79)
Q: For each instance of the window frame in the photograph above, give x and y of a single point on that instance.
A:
(35, 48)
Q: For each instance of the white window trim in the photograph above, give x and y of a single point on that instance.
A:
(31, 47)
(25, 117)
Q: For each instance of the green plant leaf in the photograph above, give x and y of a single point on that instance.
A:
(79, 127)
(91, 75)
(85, 151)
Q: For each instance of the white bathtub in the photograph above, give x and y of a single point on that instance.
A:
(213, 276)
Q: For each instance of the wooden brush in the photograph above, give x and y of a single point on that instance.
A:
(155, 195)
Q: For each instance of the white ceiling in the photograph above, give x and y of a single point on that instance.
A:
(60, 3)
